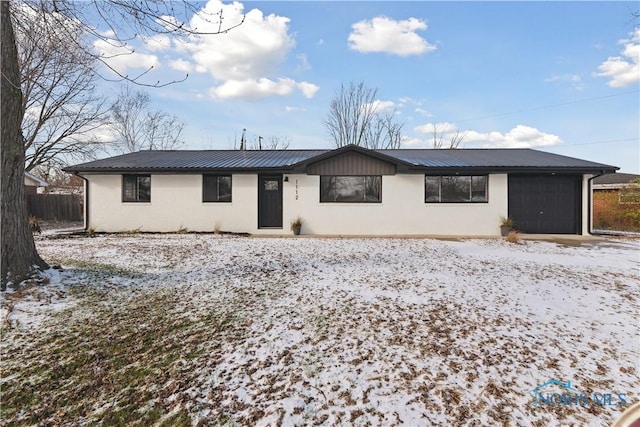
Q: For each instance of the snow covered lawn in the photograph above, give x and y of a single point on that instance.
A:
(181, 329)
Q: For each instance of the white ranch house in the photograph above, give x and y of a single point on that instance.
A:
(345, 191)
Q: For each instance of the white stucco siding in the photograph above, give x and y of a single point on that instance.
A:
(176, 202)
(402, 211)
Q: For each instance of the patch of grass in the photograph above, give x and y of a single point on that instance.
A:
(131, 232)
(179, 419)
(94, 266)
(125, 356)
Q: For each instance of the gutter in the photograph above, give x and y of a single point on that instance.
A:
(590, 202)
(86, 200)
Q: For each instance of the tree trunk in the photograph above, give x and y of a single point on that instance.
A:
(20, 258)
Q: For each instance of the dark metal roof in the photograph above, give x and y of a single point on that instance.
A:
(416, 160)
(185, 160)
(491, 158)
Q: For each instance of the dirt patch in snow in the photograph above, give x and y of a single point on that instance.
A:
(188, 329)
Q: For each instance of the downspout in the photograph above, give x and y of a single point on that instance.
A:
(590, 203)
(86, 200)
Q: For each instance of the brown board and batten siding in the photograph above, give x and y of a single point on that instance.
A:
(351, 164)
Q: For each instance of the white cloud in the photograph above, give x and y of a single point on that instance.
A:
(408, 100)
(381, 106)
(382, 34)
(251, 89)
(423, 112)
(440, 128)
(411, 142)
(244, 62)
(181, 65)
(574, 79)
(253, 50)
(157, 42)
(519, 137)
(308, 89)
(625, 69)
(290, 109)
(303, 63)
(122, 58)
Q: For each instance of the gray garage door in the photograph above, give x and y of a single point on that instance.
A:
(546, 203)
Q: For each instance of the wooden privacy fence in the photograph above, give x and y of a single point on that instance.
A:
(66, 207)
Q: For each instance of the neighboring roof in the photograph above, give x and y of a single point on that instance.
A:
(615, 178)
(412, 160)
(34, 180)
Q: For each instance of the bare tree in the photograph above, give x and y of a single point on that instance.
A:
(273, 143)
(438, 137)
(384, 132)
(57, 179)
(137, 127)
(278, 143)
(126, 20)
(354, 118)
(61, 110)
(19, 255)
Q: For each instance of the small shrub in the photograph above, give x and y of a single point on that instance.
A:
(296, 225)
(632, 217)
(217, 228)
(506, 222)
(91, 232)
(513, 237)
(182, 230)
(610, 214)
(296, 222)
(34, 225)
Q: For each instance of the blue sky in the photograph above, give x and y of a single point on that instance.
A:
(562, 77)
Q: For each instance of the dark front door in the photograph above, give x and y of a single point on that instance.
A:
(549, 204)
(270, 201)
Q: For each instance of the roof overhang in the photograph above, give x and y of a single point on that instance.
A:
(456, 170)
(39, 182)
(120, 171)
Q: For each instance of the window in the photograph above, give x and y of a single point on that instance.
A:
(271, 185)
(136, 188)
(455, 189)
(216, 188)
(351, 189)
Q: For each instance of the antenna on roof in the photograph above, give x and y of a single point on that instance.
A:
(243, 141)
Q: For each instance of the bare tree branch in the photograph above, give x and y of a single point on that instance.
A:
(76, 25)
(137, 127)
(438, 137)
(61, 109)
(354, 119)
(273, 143)
(125, 21)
